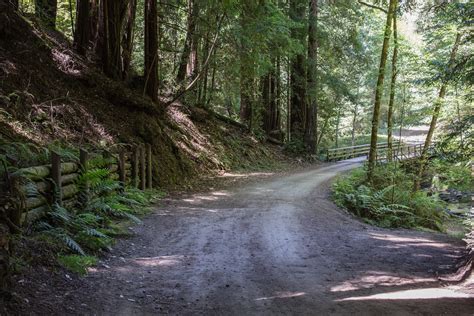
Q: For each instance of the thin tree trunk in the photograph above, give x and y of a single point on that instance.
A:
(128, 38)
(392, 91)
(436, 111)
(311, 126)
(338, 122)
(379, 89)
(81, 36)
(151, 49)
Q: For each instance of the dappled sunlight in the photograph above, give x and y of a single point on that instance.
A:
(245, 175)
(212, 196)
(160, 261)
(428, 293)
(408, 241)
(65, 62)
(281, 295)
(377, 278)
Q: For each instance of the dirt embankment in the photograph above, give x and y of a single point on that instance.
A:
(48, 93)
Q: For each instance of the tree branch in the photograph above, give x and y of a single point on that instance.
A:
(182, 91)
(373, 6)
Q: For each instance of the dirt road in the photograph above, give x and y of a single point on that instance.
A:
(278, 246)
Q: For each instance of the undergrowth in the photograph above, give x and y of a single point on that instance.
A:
(389, 201)
(84, 229)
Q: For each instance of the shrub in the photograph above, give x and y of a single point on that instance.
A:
(388, 201)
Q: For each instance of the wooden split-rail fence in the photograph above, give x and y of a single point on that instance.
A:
(57, 182)
(403, 151)
(342, 153)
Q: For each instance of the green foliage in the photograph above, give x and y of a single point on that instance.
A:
(388, 201)
(77, 264)
(453, 175)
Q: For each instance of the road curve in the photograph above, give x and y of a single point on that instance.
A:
(279, 246)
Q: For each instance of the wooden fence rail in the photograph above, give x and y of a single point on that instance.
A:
(341, 153)
(402, 152)
(58, 183)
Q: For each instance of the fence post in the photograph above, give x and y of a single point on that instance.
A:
(121, 169)
(149, 170)
(142, 169)
(83, 158)
(135, 166)
(56, 177)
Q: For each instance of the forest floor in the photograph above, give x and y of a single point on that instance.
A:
(271, 244)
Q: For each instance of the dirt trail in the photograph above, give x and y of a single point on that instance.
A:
(274, 247)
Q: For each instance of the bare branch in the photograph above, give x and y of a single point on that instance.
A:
(373, 6)
(182, 91)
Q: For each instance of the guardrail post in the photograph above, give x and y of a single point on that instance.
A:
(149, 171)
(56, 177)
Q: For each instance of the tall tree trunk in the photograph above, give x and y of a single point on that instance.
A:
(436, 111)
(46, 11)
(95, 27)
(128, 37)
(379, 89)
(311, 126)
(392, 91)
(188, 65)
(113, 17)
(298, 73)
(246, 66)
(81, 36)
(151, 49)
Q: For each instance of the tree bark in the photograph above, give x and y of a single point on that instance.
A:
(188, 64)
(81, 36)
(128, 37)
(379, 89)
(151, 49)
(246, 67)
(311, 126)
(46, 11)
(298, 74)
(392, 91)
(436, 111)
(113, 16)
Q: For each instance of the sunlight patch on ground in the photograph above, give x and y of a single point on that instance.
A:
(243, 175)
(429, 293)
(281, 295)
(408, 242)
(377, 279)
(159, 261)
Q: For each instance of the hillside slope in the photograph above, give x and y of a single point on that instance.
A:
(48, 93)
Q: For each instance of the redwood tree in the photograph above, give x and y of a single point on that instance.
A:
(298, 72)
(189, 58)
(151, 49)
(311, 126)
(81, 35)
